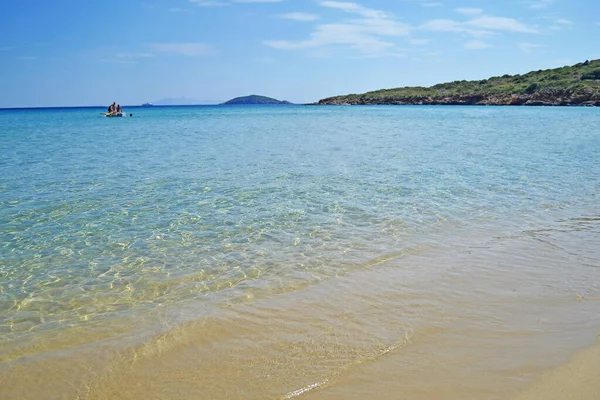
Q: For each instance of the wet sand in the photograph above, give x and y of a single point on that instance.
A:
(477, 317)
(578, 379)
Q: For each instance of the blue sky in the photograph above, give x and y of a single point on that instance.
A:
(75, 52)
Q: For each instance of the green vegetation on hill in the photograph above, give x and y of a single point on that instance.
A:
(254, 99)
(570, 85)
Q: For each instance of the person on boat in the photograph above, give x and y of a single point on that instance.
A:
(112, 108)
(119, 110)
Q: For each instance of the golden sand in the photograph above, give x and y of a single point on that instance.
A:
(579, 379)
(465, 320)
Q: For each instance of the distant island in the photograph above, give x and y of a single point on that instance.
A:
(255, 99)
(577, 85)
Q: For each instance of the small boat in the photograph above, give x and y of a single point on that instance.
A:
(147, 105)
(112, 115)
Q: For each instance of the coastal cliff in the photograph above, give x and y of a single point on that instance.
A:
(577, 85)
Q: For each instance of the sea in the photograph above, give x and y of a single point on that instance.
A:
(296, 251)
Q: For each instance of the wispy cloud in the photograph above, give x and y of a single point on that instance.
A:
(426, 3)
(210, 3)
(185, 49)
(561, 24)
(539, 4)
(476, 45)
(500, 24)
(469, 11)
(558, 22)
(299, 16)
(179, 10)
(365, 35)
(358, 37)
(526, 47)
(222, 3)
(480, 26)
(355, 8)
(6, 48)
(27, 58)
(563, 21)
(447, 25)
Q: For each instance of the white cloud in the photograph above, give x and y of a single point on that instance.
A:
(354, 8)
(353, 36)
(209, 3)
(447, 25)
(559, 24)
(478, 27)
(539, 4)
(299, 16)
(222, 3)
(528, 47)
(383, 27)
(476, 45)
(469, 11)
(426, 3)
(364, 36)
(563, 21)
(500, 24)
(185, 49)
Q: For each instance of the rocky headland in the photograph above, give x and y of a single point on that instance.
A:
(577, 85)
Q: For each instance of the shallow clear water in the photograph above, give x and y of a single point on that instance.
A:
(107, 219)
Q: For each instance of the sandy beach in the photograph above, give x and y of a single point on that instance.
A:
(577, 379)
(390, 331)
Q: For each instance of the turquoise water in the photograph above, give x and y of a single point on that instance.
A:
(104, 218)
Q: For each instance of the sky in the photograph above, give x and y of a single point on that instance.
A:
(87, 52)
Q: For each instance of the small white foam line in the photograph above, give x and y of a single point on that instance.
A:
(304, 389)
(399, 343)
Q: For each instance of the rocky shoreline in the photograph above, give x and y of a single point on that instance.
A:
(576, 85)
(537, 99)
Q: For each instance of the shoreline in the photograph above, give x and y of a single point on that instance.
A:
(578, 378)
(457, 105)
(476, 316)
